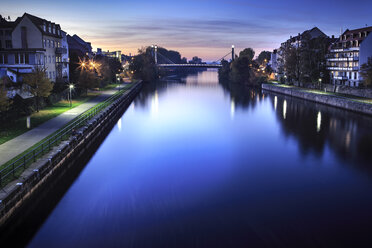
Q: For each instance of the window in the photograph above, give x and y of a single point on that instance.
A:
(54, 74)
(53, 43)
(50, 59)
(45, 43)
(16, 57)
(45, 60)
(27, 58)
(44, 27)
(49, 28)
(5, 58)
(21, 58)
(1, 59)
(8, 44)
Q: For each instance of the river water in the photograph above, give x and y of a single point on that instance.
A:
(195, 163)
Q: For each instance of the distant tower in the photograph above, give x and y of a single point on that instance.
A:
(156, 54)
(232, 52)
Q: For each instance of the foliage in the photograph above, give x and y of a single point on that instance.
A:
(248, 52)
(107, 68)
(240, 70)
(196, 60)
(366, 73)
(143, 65)
(224, 72)
(264, 55)
(4, 101)
(37, 84)
(307, 62)
(88, 80)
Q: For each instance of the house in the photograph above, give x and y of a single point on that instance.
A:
(277, 58)
(28, 42)
(352, 49)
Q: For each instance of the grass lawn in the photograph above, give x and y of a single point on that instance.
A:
(18, 127)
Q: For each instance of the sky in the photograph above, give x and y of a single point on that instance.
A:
(204, 28)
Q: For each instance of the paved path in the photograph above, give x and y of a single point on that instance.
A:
(21, 143)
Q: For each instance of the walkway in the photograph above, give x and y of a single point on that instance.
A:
(21, 143)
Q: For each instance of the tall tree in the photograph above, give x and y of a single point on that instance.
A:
(4, 100)
(143, 65)
(38, 85)
(366, 72)
(248, 52)
(264, 57)
(88, 80)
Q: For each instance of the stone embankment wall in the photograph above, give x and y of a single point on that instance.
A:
(331, 100)
(54, 164)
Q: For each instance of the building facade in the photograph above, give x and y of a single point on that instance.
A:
(277, 58)
(28, 42)
(346, 56)
(112, 54)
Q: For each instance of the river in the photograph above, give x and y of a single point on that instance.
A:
(196, 163)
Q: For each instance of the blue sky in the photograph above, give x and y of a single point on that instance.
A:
(206, 28)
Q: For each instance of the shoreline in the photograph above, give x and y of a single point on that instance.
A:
(328, 99)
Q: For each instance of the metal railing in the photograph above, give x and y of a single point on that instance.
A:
(13, 169)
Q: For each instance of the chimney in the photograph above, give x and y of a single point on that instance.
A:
(333, 36)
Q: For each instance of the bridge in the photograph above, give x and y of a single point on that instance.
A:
(171, 64)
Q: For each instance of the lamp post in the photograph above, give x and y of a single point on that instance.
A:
(320, 83)
(71, 87)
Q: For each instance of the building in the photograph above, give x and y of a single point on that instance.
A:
(63, 68)
(277, 58)
(79, 47)
(113, 54)
(28, 42)
(345, 57)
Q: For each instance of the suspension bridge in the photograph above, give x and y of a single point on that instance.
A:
(171, 64)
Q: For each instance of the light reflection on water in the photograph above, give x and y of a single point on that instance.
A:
(221, 166)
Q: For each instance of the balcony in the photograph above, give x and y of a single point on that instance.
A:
(61, 50)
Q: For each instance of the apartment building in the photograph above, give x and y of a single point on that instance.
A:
(63, 60)
(112, 54)
(28, 42)
(346, 56)
(277, 58)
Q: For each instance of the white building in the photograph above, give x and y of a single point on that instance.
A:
(346, 56)
(63, 61)
(28, 42)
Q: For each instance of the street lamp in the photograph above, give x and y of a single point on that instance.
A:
(320, 83)
(71, 87)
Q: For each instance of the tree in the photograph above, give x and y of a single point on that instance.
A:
(37, 84)
(248, 52)
(196, 60)
(240, 70)
(292, 63)
(366, 73)
(143, 65)
(88, 80)
(264, 57)
(4, 101)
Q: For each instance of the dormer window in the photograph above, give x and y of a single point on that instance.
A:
(44, 27)
(49, 28)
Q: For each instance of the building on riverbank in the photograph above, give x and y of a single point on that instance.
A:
(28, 42)
(112, 54)
(278, 56)
(346, 56)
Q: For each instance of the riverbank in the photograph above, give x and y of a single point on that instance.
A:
(356, 104)
(41, 173)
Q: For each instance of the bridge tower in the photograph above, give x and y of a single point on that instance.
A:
(233, 52)
(156, 54)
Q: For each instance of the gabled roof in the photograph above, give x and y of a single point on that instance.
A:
(6, 24)
(368, 29)
(39, 22)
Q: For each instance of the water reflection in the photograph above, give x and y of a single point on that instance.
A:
(281, 174)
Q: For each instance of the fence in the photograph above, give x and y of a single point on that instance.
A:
(15, 168)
